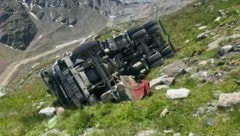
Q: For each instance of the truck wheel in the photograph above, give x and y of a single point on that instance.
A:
(139, 34)
(157, 63)
(84, 47)
(170, 55)
(150, 24)
(152, 29)
(134, 30)
(155, 57)
(167, 50)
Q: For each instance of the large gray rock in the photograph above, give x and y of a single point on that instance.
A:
(228, 100)
(225, 49)
(177, 93)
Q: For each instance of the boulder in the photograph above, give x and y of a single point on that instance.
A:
(177, 93)
(49, 111)
(228, 100)
(225, 49)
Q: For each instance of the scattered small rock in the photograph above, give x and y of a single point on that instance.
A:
(169, 131)
(209, 107)
(202, 27)
(197, 4)
(215, 43)
(189, 69)
(177, 134)
(191, 134)
(217, 19)
(2, 94)
(197, 25)
(55, 132)
(237, 28)
(177, 93)
(210, 121)
(159, 87)
(164, 112)
(147, 133)
(222, 12)
(59, 111)
(228, 100)
(200, 74)
(202, 36)
(204, 62)
(49, 111)
(93, 131)
(187, 41)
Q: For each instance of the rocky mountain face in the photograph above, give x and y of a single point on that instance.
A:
(22, 20)
(16, 28)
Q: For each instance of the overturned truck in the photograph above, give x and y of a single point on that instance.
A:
(110, 70)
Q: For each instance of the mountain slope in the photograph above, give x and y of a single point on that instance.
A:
(195, 115)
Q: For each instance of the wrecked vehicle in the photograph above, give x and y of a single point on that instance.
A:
(110, 70)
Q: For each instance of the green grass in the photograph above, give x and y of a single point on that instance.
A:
(19, 117)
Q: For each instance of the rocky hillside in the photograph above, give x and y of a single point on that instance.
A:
(206, 37)
(23, 20)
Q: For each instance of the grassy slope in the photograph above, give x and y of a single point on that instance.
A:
(19, 117)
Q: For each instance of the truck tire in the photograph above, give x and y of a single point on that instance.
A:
(170, 55)
(150, 24)
(152, 29)
(167, 50)
(134, 30)
(139, 34)
(157, 63)
(84, 47)
(155, 57)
